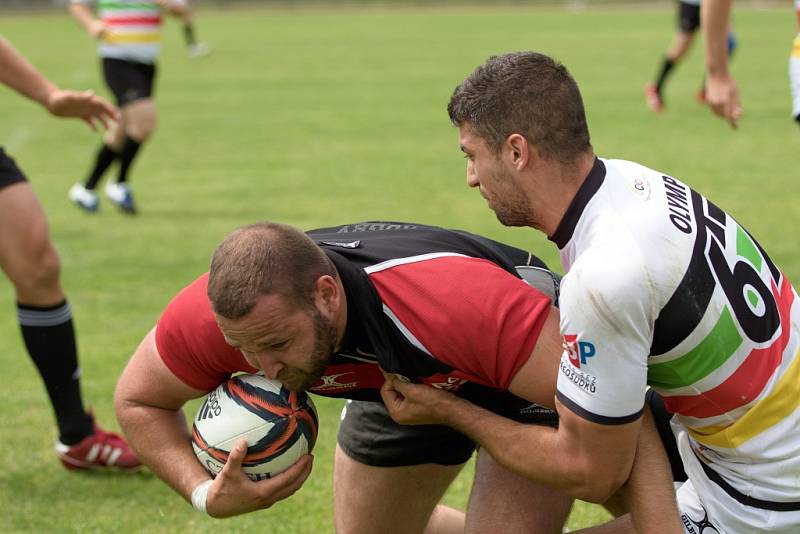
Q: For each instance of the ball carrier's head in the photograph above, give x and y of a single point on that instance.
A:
(279, 300)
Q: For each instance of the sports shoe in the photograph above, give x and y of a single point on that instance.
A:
(653, 98)
(101, 449)
(120, 194)
(83, 198)
(700, 96)
(199, 49)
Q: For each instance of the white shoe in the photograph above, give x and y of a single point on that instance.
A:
(199, 49)
(83, 198)
(121, 195)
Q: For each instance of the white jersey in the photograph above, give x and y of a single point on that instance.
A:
(665, 289)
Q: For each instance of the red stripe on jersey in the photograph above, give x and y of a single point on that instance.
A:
(132, 21)
(468, 313)
(191, 344)
(749, 380)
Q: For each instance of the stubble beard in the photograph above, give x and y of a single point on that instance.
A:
(325, 335)
(512, 209)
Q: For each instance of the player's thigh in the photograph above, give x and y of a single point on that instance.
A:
(27, 255)
(386, 500)
(382, 467)
(502, 501)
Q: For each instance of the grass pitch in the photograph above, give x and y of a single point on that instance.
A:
(317, 117)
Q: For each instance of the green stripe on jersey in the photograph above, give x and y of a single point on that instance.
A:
(701, 361)
(746, 249)
(138, 6)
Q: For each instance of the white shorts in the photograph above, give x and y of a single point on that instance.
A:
(717, 512)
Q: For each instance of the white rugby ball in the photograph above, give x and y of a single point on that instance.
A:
(280, 425)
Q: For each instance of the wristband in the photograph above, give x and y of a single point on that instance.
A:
(199, 496)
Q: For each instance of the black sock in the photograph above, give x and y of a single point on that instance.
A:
(188, 34)
(666, 66)
(105, 157)
(129, 150)
(50, 339)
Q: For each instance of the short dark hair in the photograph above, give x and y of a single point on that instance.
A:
(527, 93)
(263, 259)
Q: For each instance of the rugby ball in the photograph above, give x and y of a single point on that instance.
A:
(280, 425)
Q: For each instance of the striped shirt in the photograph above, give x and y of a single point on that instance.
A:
(665, 289)
(133, 29)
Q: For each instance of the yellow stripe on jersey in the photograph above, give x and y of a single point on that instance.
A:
(129, 38)
(796, 46)
(769, 411)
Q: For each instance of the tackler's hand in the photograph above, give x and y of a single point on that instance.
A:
(414, 404)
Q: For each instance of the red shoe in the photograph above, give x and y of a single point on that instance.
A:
(99, 450)
(653, 99)
(700, 96)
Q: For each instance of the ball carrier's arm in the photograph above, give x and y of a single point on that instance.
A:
(148, 402)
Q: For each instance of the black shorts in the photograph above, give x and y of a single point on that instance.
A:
(128, 80)
(9, 172)
(368, 435)
(688, 17)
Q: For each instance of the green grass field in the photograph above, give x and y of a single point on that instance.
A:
(317, 117)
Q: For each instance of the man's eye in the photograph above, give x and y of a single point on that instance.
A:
(278, 346)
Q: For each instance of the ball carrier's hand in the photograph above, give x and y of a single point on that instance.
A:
(233, 493)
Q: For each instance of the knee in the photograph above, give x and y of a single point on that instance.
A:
(40, 277)
(143, 130)
(142, 124)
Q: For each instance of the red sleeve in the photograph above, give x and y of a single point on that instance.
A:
(191, 344)
(466, 312)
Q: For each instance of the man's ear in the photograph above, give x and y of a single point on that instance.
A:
(327, 293)
(518, 150)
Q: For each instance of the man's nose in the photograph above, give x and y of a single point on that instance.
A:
(267, 363)
(472, 178)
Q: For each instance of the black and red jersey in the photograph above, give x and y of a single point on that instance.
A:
(441, 307)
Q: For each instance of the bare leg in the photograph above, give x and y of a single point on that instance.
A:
(387, 500)
(502, 501)
(680, 45)
(27, 254)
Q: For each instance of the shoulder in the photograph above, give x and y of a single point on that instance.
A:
(609, 284)
(188, 314)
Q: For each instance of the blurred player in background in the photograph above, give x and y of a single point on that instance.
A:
(129, 36)
(193, 46)
(30, 261)
(688, 23)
